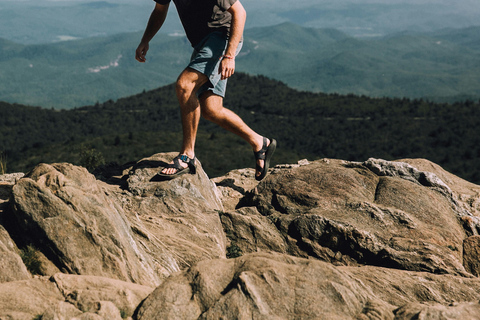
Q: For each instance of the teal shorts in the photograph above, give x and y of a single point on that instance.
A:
(206, 58)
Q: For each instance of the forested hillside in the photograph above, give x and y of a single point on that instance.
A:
(442, 66)
(306, 125)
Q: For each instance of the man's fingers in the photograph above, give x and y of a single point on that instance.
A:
(227, 74)
(227, 68)
(140, 53)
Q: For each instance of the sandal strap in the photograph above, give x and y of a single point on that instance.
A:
(260, 154)
(176, 163)
(189, 161)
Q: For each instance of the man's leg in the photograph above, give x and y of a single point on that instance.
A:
(212, 109)
(187, 85)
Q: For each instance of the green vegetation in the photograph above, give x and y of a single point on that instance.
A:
(305, 124)
(3, 163)
(31, 259)
(91, 158)
(233, 251)
(124, 314)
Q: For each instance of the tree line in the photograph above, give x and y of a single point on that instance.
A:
(305, 124)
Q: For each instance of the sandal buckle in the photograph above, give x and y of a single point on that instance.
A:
(184, 158)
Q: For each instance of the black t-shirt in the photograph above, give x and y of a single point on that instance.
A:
(201, 17)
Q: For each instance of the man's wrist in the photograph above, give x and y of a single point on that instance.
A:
(226, 56)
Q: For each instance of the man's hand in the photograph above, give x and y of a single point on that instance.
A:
(227, 67)
(155, 22)
(141, 52)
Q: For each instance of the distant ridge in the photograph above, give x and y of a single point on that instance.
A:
(441, 66)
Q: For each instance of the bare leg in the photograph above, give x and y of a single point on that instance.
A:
(187, 85)
(213, 110)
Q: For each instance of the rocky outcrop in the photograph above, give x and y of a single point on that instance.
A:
(140, 234)
(71, 219)
(355, 213)
(327, 239)
(271, 286)
(70, 297)
(11, 266)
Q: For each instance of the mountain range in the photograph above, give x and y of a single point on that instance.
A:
(46, 21)
(441, 66)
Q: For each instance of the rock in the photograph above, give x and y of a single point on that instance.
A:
(471, 255)
(234, 185)
(12, 267)
(69, 217)
(107, 310)
(7, 181)
(273, 286)
(405, 171)
(326, 239)
(63, 310)
(257, 233)
(256, 286)
(438, 312)
(178, 220)
(465, 195)
(27, 299)
(90, 293)
(141, 234)
(345, 213)
(10, 178)
(69, 297)
(398, 287)
(143, 181)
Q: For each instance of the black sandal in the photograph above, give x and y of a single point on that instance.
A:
(180, 170)
(265, 154)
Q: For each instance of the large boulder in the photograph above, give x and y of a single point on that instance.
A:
(141, 231)
(374, 213)
(274, 286)
(464, 193)
(67, 214)
(177, 220)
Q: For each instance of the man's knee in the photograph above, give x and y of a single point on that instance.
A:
(184, 85)
(189, 81)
